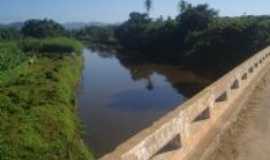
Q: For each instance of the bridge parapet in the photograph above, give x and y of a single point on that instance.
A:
(183, 128)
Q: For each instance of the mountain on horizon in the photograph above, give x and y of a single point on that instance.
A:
(79, 25)
(16, 25)
(67, 25)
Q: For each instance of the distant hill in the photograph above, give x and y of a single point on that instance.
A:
(79, 25)
(74, 25)
(16, 25)
(68, 25)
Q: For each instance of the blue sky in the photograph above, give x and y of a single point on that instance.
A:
(111, 11)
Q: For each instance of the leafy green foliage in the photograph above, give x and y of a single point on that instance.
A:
(197, 37)
(10, 56)
(96, 35)
(9, 34)
(50, 46)
(133, 34)
(142, 33)
(37, 107)
(227, 42)
(42, 28)
(194, 18)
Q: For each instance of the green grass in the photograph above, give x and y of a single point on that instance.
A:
(10, 56)
(38, 120)
(50, 46)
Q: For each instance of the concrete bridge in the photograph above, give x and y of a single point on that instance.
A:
(193, 130)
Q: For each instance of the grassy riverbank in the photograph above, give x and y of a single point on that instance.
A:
(37, 109)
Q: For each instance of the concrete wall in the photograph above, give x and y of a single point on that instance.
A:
(180, 132)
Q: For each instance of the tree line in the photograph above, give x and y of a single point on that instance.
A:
(34, 28)
(197, 37)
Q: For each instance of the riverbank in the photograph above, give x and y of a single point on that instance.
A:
(38, 116)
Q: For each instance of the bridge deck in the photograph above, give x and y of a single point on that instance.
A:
(249, 137)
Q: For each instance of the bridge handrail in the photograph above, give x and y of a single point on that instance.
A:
(190, 120)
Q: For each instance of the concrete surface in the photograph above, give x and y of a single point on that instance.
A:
(249, 137)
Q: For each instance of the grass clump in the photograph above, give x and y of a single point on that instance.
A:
(51, 46)
(10, 56)
(37, 114)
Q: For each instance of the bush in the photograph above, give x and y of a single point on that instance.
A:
(197, 38)
(42, 28)
(30, 45)
(51, 46)
(10, 56)
(61, 45)
(9, 33)
(38, 121)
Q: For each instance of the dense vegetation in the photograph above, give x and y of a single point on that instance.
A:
(39, 68)
(50, 46)
(10, 56)
(37, 93)
(97, 36)
(42, 28)
(197, 37)
(9, 33)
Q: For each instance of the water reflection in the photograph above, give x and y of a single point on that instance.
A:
(119, 96)
(140, 100)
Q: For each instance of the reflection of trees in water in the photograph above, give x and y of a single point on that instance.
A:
(185, 82)
(150, 84)
(103, 53)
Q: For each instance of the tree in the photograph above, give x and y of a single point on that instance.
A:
(148, 5)
(198, 37)
(133, 34)
(96, 34)
(183, 6)
(195, 18)
(42, 28)
(8, 33)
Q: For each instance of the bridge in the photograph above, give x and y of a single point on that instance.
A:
(194, 128)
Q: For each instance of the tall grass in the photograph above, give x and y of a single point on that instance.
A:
(51, 46)
(37, 114)
(10, 56)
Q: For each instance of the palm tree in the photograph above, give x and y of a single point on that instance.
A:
(148, 5)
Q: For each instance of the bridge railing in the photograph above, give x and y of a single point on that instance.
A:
(187, 125)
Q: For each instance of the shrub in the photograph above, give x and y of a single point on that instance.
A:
(8, 33)
(38, 121)
(50, 46)
(61, 45)
(10, 56)
(30, 45)
(42, 28)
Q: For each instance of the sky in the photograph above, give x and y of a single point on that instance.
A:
(114, 11)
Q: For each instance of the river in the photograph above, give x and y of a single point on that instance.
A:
(118, 98)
